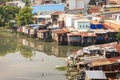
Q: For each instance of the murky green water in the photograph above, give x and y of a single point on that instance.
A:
(23, 58)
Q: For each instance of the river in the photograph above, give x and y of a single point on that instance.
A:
(24, 58)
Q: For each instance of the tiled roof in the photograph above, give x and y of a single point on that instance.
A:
(48, 7)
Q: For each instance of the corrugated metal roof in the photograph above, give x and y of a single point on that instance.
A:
(48, 7)
(73, 34)
(95, 74)
(117, 46)
(107, 26)
(57, 13)
(100, 62)
(61, 31)
(87, 34)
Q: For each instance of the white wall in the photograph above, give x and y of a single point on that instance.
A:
(74, 4)
(80, 4)
(82, 26)
(69, 21)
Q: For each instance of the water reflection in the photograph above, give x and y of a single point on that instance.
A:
(6, 45)
(21, 58)
(10, 43)
(50, 48)
(28, 46)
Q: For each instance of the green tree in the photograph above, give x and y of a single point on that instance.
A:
(7, 13)
(92, 2)
(1, 15)
(24, 16)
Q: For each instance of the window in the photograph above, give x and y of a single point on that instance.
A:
(83, 26)
(80, 26)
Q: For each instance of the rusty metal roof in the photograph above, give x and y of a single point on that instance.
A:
(61, 31)
(73, 34)
(114, 45)
(83, 34)
(87, 34)
(100, 62)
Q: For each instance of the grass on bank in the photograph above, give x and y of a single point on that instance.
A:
(61, 68)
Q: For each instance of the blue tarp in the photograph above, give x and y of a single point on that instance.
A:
(99, 26)
(48, 7)
(92, 26)
(96, 26)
